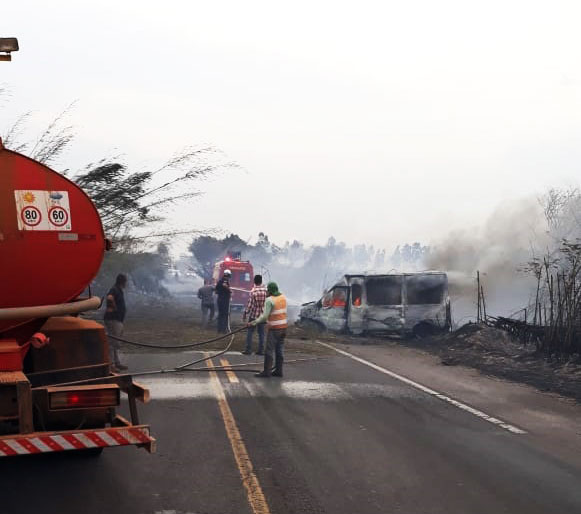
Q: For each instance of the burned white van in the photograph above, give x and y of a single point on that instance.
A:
(402, 303)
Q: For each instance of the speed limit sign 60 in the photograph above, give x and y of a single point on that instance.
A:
(58, 216)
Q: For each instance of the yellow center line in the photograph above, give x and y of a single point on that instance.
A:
(249, 479)
(230, 374)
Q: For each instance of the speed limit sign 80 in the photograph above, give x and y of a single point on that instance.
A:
(30, 216)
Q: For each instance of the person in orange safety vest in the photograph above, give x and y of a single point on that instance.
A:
(274, 314)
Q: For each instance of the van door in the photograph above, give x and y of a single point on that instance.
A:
(425, 296)
(356, 307)
(333, 311)
(385, 308)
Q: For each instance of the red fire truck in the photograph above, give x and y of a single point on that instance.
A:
(242, 278)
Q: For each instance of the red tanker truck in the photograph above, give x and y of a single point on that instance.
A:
(57, 390)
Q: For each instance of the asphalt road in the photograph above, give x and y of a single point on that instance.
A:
(334, 436)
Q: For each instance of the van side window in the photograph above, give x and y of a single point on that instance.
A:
(336, 297)
(384, 290)
(356, 293)
(425, 289)
(339, 297)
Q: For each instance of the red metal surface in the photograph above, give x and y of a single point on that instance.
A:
(239, 269)
(11, 355)
(47, 442)
(44, 267)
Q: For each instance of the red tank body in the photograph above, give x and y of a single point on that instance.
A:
(241, 281)
(51, 237)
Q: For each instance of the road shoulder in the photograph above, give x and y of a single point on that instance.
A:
(553, 422)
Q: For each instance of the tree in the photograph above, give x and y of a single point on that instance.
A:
(125, 198)
(207, 250)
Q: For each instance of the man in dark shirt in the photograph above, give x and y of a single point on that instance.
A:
(114, 318)
(224, 293)
(206, 295)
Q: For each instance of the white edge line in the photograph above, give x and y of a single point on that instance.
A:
(432, 392)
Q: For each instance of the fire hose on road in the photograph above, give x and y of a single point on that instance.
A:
(186, 367)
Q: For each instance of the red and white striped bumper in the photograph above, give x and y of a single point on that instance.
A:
(46, 442)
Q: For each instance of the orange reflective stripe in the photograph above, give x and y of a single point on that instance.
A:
(277, 317)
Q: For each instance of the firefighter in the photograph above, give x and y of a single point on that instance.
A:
(223, 292)
(114, 318)
(274, 315)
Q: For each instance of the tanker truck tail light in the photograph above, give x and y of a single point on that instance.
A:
(87, 397)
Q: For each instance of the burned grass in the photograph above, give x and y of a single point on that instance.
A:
(176, 325)
(495, 353)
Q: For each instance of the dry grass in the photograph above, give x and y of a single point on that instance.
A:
(177, 325)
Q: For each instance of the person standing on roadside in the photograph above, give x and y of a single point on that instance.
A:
(114, 318)
(224, 293)
(274, 315)
(253, 310)
(206, 296)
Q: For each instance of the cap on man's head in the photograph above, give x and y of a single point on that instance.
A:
(227, 272)
(272, 289)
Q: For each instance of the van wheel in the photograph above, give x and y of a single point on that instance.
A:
(423, 329)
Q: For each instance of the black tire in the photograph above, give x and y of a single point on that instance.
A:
(423, 329)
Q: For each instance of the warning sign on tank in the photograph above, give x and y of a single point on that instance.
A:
(43, 210)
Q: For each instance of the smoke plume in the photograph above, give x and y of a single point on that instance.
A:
(500, 249)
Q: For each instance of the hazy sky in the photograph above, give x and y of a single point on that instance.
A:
(379, 122)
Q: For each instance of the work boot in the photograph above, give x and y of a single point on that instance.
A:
(266, 373)
(246, 352)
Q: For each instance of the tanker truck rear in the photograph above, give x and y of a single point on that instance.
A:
(57, 390)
